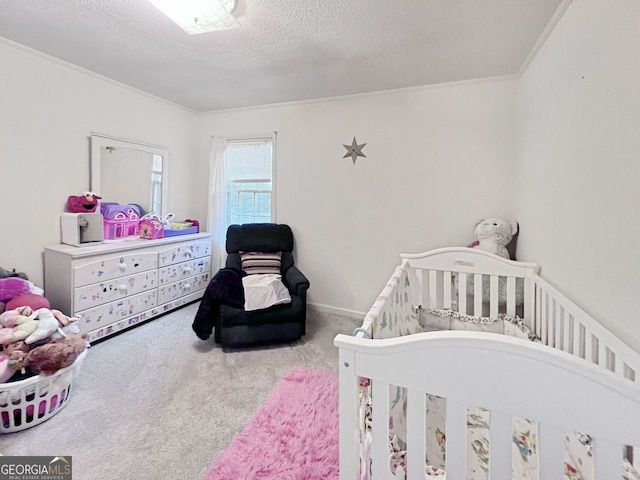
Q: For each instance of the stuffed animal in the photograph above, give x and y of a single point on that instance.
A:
(12, 287)
(16, 353)
(46, 325)
(6, 372)
(32, 300)
(6, 274)
(87, 202)
(17, 325)
(67, 325)
(493, 235)
(51, 357)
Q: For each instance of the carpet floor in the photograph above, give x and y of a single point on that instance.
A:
(157, 403)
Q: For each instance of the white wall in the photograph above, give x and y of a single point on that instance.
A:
(47, 113)
(579, 161)
(437, 160)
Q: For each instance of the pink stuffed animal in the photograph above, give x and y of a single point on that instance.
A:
(12, 287)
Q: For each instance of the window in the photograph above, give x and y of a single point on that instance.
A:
(249, 180)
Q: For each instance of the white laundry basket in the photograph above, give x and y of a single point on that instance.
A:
(31, 401)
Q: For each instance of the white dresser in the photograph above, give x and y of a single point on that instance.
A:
(113, 286)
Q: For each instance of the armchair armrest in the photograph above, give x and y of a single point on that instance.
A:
(296, 282)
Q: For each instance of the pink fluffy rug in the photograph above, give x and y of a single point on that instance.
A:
(294, 435)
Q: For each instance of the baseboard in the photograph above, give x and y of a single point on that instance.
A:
(336, 311)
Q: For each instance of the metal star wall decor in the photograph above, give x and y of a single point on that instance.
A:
(354, 150)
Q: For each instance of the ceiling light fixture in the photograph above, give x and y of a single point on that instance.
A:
(199, 16)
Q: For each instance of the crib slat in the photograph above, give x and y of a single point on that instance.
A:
(511, 295)
(433, 289)
(447, 290)
(416, 434)
(538, 317)
(544, 316)
(493, 296)
(566, 332)
(380, 430)
(420, 286)
(462, 293)
(551, 326)
(477, 295)
(551, 452)
(607, 459)
(558, 324)
(588, 346)
(602, 353)
(500, 441)
(576, 336)
(456, 443)
(618, 365)
(529, 296)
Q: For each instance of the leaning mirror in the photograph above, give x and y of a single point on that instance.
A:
(129, 172)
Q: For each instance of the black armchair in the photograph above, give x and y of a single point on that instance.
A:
(279, 323)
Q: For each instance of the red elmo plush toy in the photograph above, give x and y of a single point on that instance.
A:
(83, 204)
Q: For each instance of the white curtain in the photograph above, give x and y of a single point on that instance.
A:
(218, 202)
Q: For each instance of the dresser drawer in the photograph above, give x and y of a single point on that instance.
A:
(181, 288)
(111, 290)
(111, 312)
(113, 267)
(183, 270)
(184, 252)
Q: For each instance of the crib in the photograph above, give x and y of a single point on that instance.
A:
(565, 406)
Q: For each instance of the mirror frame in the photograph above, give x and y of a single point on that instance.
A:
(98, 141)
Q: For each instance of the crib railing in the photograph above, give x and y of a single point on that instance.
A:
(561, 393)
(440, 280)
(563, 325)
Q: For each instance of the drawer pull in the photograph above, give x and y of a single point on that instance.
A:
(122, 267)
(187, 286)
(123, 288)
(186, 270)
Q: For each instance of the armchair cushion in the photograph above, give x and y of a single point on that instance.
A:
(261, 262)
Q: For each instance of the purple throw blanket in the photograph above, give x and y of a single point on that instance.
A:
(225, 288)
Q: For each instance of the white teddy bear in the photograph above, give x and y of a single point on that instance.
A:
(494, 234)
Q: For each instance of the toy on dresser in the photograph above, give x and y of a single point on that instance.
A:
(119, 221)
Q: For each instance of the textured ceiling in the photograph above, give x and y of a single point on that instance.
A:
(285, 50)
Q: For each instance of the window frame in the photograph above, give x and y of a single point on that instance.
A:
(248, 138)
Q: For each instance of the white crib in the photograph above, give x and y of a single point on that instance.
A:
(579, 378)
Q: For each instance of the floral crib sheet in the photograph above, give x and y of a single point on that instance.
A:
(393, 315)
